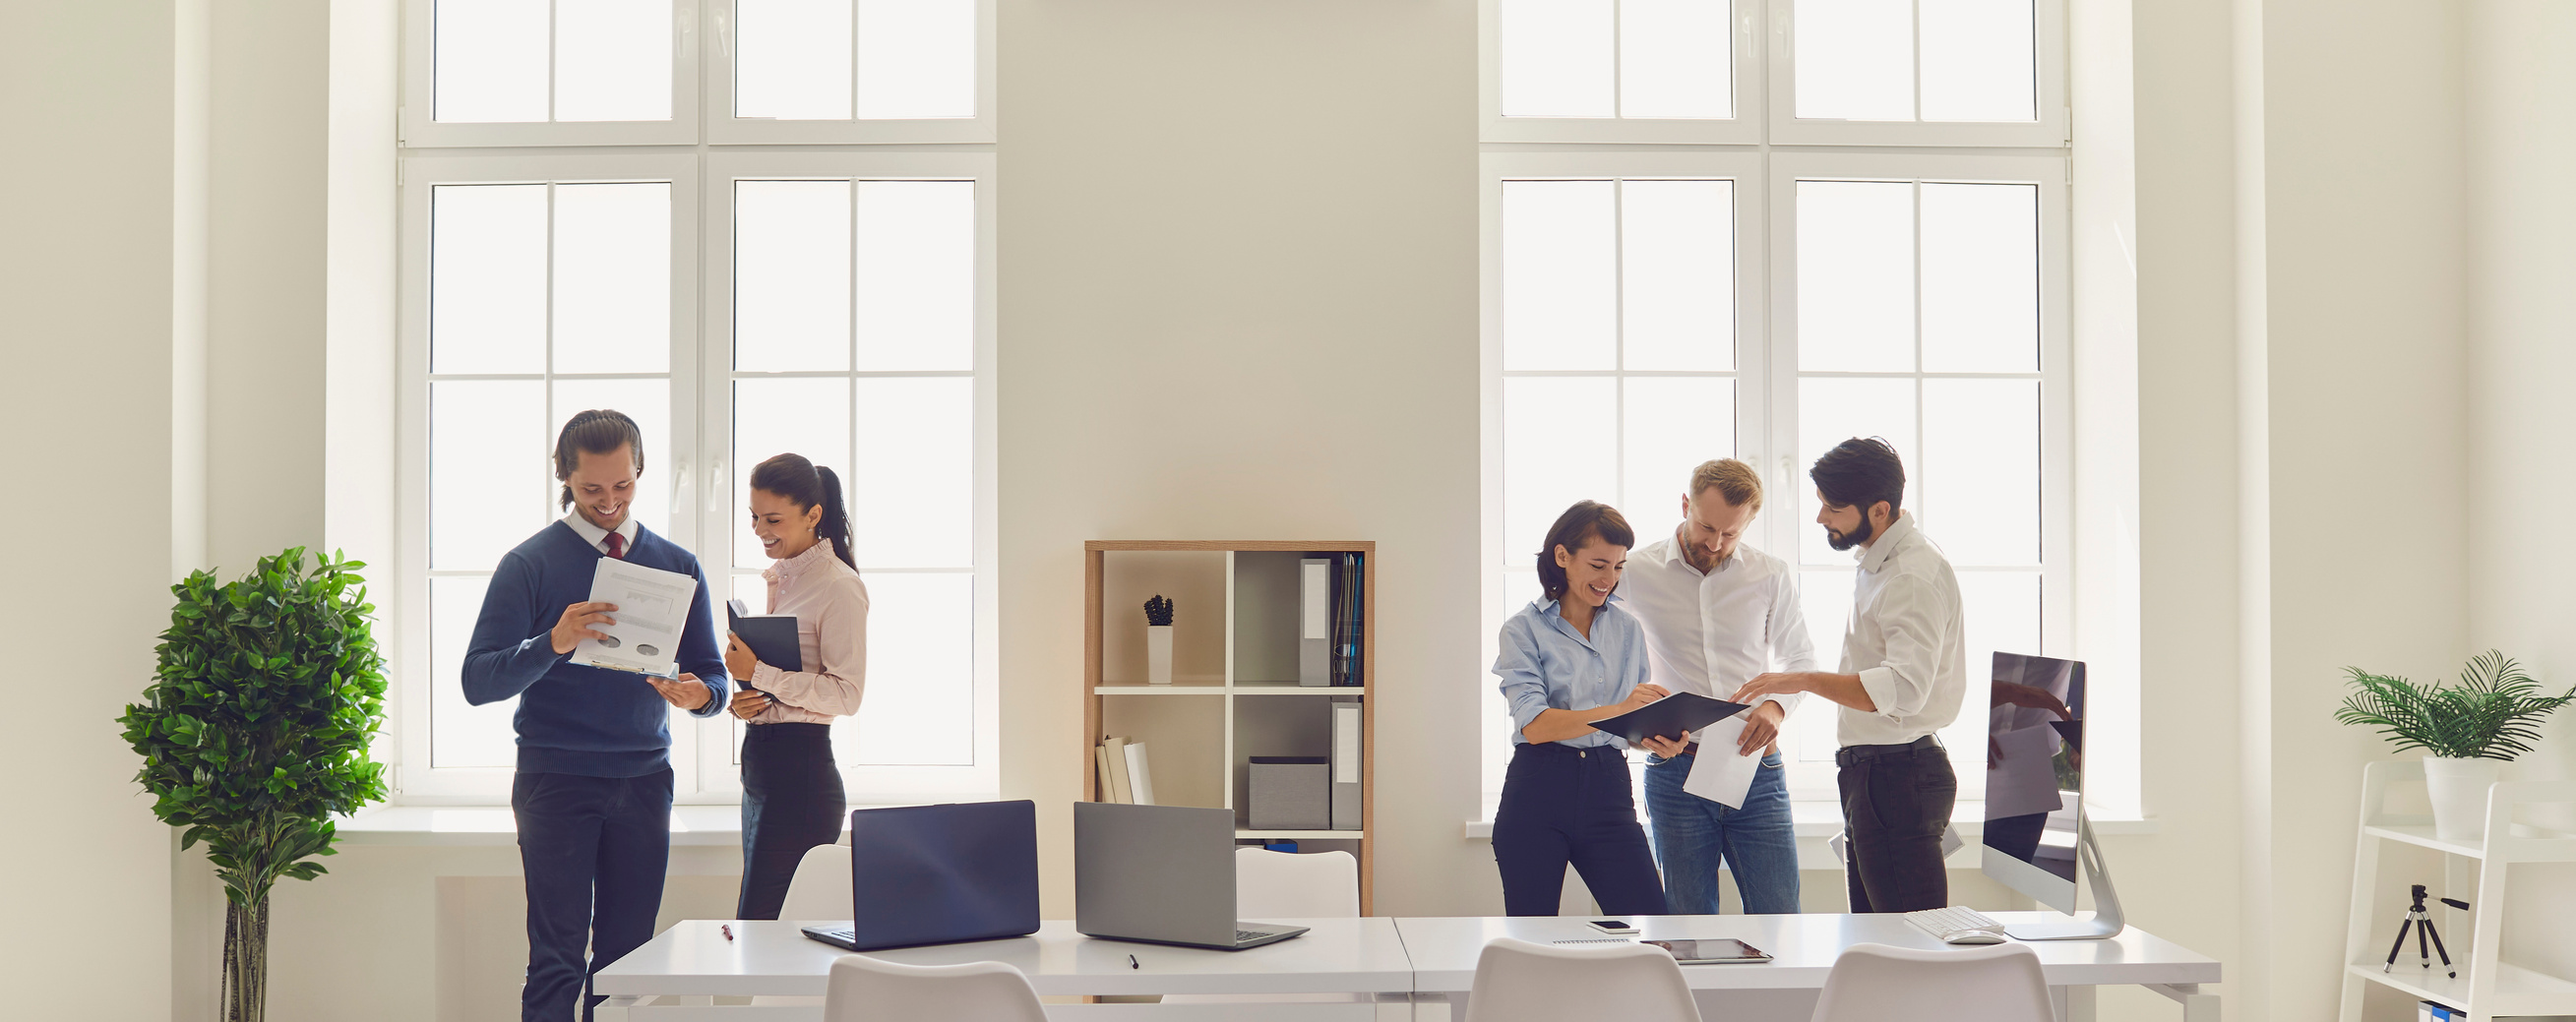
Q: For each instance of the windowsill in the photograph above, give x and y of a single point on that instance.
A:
(719, 825)
(1819, 820)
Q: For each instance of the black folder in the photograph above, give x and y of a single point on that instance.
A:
(1672, 716)
(772, 637)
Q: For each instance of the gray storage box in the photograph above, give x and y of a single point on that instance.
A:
(1291, 793)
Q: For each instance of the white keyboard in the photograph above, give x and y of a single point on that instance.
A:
(1957, 924)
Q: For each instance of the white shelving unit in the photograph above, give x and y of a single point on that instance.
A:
(1234, 693)
(2496, 927)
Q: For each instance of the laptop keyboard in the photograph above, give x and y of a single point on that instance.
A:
(1241, 936)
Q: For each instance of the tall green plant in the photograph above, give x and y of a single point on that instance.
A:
(2493, 713)
(254, 732)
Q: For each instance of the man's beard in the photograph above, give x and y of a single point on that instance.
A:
(1848, 540)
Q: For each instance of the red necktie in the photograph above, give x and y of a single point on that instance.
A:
(616, 546)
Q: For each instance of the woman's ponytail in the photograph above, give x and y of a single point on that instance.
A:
(835, 525)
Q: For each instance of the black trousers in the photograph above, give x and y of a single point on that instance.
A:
(791, 801)
(1565, 805)
(1896, 802)
(2017, 836)
(594, 850)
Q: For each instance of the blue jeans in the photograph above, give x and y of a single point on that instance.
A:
(1692, 834)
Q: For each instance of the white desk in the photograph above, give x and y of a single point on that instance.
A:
(1803, 949)
(1417, 969)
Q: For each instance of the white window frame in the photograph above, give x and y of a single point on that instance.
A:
(420, 782)
(723, 128)
(417, 128)
(871, 784)
(2049, 130)
(1745, 128)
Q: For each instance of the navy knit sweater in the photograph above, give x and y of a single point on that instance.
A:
(574, 719)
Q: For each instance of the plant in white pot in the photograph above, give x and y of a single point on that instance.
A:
(1158, 640)
(2466, 730)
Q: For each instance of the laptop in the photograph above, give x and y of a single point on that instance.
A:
(1160, 875)
(941, 874)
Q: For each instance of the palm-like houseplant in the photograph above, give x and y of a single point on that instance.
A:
(2490, 716)
(255, 731)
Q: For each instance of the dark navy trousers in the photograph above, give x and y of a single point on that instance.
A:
(791, 801)
(594, 850)
(1563, 805)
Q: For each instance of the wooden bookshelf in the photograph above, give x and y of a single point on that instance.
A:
(1229, 699)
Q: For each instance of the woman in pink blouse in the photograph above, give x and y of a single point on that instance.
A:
(791, 789)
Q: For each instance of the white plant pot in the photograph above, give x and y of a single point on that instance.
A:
(2458, 788)
(1158, 655)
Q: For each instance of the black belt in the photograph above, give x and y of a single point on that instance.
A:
(1850, 754)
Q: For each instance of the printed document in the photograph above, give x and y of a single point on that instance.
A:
(2021, 773)
(1717, 773)
(652, 609)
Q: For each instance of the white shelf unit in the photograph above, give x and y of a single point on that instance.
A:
(1234, 657)
(2531, 932)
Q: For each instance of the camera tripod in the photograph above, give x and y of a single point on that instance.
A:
(2423, 924)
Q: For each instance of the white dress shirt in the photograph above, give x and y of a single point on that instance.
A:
(598, 537)
(1710, 633)
(1907, 641)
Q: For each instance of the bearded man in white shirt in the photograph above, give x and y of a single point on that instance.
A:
(1717, 613)
(1904, 671)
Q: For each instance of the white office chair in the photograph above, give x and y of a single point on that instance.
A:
(1288, 885)
(865, 989)
(1517, 981)
(821, 888)
(1997, 983)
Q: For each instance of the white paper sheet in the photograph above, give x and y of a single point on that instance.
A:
(1717, 773)
(652, 609)
(2023, 777)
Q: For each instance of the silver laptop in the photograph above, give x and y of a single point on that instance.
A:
(1162, 875)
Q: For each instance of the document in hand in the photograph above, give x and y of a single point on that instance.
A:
(1718, 774)
(1669, 717)
(652, 608)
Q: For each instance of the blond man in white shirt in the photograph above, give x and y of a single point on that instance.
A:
(1717, 613)
(1904, 672)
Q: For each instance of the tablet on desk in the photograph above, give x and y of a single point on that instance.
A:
(1723, 951)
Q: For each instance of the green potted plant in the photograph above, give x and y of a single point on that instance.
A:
(2490, 717)
(1158, 640)
(254, 732)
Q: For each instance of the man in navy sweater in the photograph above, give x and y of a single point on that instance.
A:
(593, 792)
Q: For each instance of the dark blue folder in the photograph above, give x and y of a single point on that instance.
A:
(940, 875)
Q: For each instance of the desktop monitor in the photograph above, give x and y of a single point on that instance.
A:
(2035, 776)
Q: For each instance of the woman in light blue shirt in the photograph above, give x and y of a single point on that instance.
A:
(1570, 658)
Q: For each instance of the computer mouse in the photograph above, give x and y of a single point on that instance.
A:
(1974, 937)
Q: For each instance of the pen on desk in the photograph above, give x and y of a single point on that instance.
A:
(728, 930)
(1132, 963)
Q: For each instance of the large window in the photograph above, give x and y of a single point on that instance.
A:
(811, 295)
(1736, 250)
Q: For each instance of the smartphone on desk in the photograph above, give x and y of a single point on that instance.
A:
(1612, 926)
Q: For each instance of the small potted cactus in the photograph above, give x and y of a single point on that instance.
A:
(1158, 640)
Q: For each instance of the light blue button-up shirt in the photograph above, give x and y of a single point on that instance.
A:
(1546, 663)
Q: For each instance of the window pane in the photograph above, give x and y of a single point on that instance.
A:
(919, 707)
(791, 281)
(1560, 275)
(1855, 276)
(612, 273)
(912, 503)
(489, 484)
(648, 402)
(1832, 410)
(1855, 59)
(1825, 600)
(1558, 58)
(491, 62)
(613, 60)
(1678, 275)
(1978, 62)
(1676, 58)
(793, 59)
(1557, 449)
(461, 734)
(487, 279)
(916, 275)
(1672, 424)
(1980, 278)
(810, 417)
(1981, 469)
(916, 58)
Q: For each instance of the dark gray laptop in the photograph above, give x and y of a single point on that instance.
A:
(1162, 875)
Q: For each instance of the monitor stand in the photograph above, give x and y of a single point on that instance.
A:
(2106, 921)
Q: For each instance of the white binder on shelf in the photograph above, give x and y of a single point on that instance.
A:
(1315, 621)
(1140, 778)
(1346, 765)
